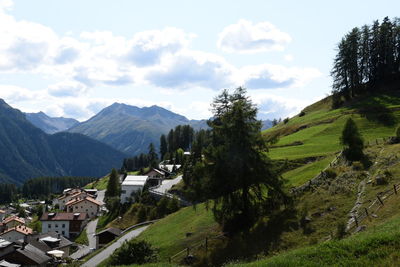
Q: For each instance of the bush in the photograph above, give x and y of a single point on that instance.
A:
(340, 230)
(286, 120)
(133, 252)
(330, 173)
(302, 113)
(142, 214)
(398, 133)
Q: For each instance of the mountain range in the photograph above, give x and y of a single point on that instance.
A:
(50, 125)
(26, 151)
(131, 129)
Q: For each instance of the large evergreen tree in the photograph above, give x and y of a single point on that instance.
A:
(352, 141)
(236, 174)
(113, 185)
(163, 146)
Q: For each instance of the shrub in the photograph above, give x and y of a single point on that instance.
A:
(286, 120)
(330, 173)
(398, 133)
(340, 230)
(133, 252)
(302, 113)
(141, 214)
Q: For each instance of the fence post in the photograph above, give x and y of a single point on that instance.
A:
(366, 212)
(187, 251)
(395, 189)
(355, 220)
(380, 200)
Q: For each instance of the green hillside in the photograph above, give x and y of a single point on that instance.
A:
(315, 135)
(310, 142)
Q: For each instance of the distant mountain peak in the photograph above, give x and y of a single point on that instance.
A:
(49, 124)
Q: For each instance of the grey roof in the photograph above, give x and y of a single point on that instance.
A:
(39, 242)
(5, 263)
(4, 243)
(114, 231)
(35, 254)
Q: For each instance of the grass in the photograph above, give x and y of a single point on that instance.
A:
(82, 238)
(100, 184)
(306, 172)
(379, 246)
(169, 234)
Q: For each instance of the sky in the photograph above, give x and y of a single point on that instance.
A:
(72, 58)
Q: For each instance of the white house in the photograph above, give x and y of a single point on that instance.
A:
(65, 223)
(132, 184)
(16, 233)
(64, 199)
(87, 205)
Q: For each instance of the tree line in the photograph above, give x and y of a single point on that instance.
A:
(44, 186)
(180, 137)
(366, 57)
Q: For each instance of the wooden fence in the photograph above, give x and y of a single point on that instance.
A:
(187, 255)
(369, 212)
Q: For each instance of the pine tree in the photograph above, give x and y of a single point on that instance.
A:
(113, 185)
(352, 141)
(236, 173)
(153, 157)
(163, 146)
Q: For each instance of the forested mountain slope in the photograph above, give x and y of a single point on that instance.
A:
(26, 151)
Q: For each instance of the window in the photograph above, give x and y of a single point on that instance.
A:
(63, 226)
(63, 232)
(49, 225)
(56, 225)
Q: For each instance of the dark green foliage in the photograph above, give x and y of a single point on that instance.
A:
(286, 120)
(366, 58)
(133, 252)
(141, 214)
(236, 174)
(153, 157)
(302, 113)
(352, 141)
(341, 230)
(8, 193)
(163, 146)
(398, 132)
(136, 163)
(113, 187)
(44, 186)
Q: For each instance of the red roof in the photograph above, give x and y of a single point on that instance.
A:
(20, 229)
(78, 200)
(13, 218)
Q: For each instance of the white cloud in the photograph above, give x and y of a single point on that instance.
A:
(246, 37)
(272, 106)
(267, 76)
(190, 69)
(67, 89)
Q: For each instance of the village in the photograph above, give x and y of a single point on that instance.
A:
(66, 218)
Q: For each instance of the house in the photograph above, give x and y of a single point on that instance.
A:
(28, 255)
(131, 185)
(106, 236)
(6, 247)
(63, 200)
(155, 177)
(49, 242)
(65, 223)
(12, 221)
(170, 167)
(16, 233)
(87, 205)
(92, 192)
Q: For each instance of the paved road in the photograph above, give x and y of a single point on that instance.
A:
(90, 231)
(96, 260)
(167, 184)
